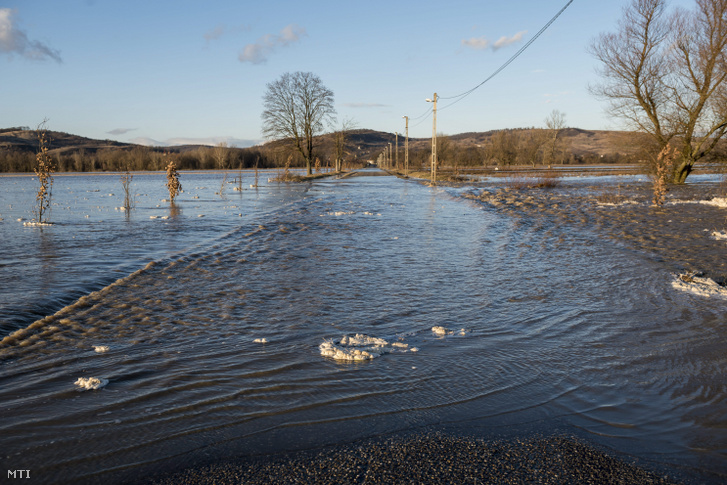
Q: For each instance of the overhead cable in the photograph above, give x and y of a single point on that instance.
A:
(461, 96)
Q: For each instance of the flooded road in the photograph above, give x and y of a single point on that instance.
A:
(551, 329)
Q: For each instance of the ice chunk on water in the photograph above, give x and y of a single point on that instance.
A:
(699, 286)
(716, 201)
(260, 341)
(719, 235)
(329, 349)
(355, 348)
(441, 331)
(101, 348)
(90, 383)
(361, 347)
(360, 340)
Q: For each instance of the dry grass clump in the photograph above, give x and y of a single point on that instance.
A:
(44, 170)
(611, 197)
(173, 184)
(545, 180)
(285, 175)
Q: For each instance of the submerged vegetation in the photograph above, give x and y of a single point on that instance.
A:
(126, 178)
(173, 184)
(44, 169)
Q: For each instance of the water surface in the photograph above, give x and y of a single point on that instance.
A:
(563, 331)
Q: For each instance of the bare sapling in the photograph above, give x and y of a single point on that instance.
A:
(286, 176)
(318, 165)
(126, 178)
(239, 182)
(44, 170)
(662, 170)
(173, 184)
(223, 185)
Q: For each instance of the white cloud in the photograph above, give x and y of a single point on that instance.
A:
(260, 51)
(481, 43)
(209, 141)
(506, 41)
(222, 29)
(478, 43)
(15, 41)
(120, 131)
(215, 33)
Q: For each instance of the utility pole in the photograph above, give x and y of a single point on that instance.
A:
(406, 148)
(396, 153)
(434, 139)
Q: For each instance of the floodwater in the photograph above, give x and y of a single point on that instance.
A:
(554, 329)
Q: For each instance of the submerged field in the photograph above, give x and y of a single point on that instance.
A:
(563, 316)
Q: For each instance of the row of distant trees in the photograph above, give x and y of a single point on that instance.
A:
(520, 146)
(148, 158)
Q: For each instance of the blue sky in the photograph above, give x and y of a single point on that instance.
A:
(181, 71)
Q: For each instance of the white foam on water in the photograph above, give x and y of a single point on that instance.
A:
(350, 354)
(617, 204)
(90, 383)
(441, 331)
(260, 341)
(339, 213)
(361, 340)
(719, 235)
(696, 285)
(716, 202)
(36, 224)
(361, 347)
(101, 348)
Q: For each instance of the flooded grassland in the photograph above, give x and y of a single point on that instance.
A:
(212, 329)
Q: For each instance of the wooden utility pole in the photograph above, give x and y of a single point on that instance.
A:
(396, 153)
(406, 148)
(434, 139)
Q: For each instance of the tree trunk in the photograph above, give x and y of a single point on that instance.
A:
(682, 171)
(308, 167)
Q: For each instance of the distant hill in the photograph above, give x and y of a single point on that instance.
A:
(18, 146)
(27, 141)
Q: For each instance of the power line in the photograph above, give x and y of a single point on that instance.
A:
(463, 95)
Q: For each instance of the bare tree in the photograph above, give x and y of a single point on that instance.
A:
(340, 140)
(555, 122)
(220, 153)
(531, 144)
(504, 147)
(666, 75)
(298, 107)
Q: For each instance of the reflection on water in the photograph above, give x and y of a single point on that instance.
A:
(563, 331)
